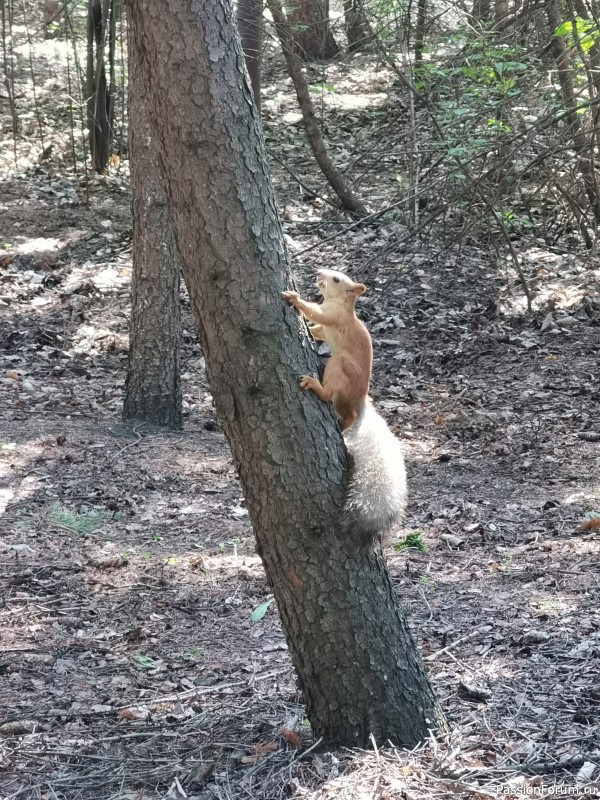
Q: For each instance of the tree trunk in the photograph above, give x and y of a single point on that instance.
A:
(153, 388)
(358, 31)
(594, 65)
(348, 638)
(482, 10)
(99, 105)
(500, 14)
(250, 26)
(420, 31)
(582, 146)
(313, 39)
(313, 131)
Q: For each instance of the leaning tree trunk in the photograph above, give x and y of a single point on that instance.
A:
(250, 26)
(313, 131)
(348, 638)
(313, 39)
(153, 387)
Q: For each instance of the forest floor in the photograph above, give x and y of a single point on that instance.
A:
(130, 666)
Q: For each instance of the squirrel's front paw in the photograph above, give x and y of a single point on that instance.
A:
(308, 382)
(291, 297)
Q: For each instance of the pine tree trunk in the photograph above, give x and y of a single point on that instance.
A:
(153, 388)
(348, 638)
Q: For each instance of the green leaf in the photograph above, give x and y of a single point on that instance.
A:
(145, 661)
(580, 25)
(509, 66)
(564, 29)
(261, 610)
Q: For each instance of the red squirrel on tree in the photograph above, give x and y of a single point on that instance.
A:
(376, 494)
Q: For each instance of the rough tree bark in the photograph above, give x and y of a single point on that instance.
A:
(250, 26)
(153, 387)
(347, 636)
(313, 39)
(313, 131)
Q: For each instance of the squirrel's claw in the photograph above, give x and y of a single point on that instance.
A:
(308, 382)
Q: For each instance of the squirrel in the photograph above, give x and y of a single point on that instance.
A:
(376, 494)
(348, 371)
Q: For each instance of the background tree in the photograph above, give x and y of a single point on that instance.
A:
(481, 11)
(250, 26)
(315, 138)
(313, 38)
(101, 21)
(153, 386)
(348, 637)
(420, 30)
(582, 144)
(356, 25)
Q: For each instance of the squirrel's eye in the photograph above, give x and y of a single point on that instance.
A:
(336, 280)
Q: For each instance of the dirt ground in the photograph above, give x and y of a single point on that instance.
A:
(130, 666)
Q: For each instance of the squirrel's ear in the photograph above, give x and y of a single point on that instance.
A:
(359, 288)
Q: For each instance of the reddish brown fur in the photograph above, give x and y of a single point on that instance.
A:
(348, 371)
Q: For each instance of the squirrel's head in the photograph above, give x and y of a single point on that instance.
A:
(336, 286)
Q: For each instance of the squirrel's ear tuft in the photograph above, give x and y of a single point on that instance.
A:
(359, 288)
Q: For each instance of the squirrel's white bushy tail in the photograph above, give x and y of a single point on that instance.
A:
(376, 494)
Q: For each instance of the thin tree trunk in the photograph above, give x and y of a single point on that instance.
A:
(420, 31)
(250, 26)
(575, 128)
(153, 387)
(315, 138)
(348, 638)
(98, 96)
(594, 66)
